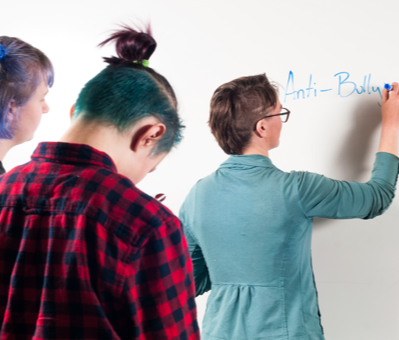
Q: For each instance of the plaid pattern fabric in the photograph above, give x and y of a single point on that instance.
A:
(84, 254)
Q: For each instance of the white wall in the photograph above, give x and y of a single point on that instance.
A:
(203, 44)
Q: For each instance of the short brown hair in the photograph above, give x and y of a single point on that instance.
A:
(235, 106)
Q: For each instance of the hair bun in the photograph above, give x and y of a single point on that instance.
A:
(132, 45)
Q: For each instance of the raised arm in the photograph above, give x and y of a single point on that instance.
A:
(320, 196)
(324, 197)
(390, 121)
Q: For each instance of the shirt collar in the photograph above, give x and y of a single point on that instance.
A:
(59, 152)
(247, 160)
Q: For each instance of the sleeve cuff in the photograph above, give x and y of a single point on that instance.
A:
(386, 167)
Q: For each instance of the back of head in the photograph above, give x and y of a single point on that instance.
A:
(22, 68)
(128, 90)
(236, 106)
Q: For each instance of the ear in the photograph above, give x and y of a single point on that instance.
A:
(261, 129)
(71, 111)
(147, 136)
(12, 110)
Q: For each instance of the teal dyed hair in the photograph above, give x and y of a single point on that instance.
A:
(126, 92)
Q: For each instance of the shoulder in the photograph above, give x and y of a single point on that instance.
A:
(306, 177)
(13, 180)
(20, 169)
(126, 205)
(202, 185)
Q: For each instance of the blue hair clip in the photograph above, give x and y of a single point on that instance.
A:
(2, 52)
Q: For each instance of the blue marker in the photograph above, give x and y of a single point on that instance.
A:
(388, 87)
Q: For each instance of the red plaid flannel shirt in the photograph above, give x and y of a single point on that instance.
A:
(84, 254)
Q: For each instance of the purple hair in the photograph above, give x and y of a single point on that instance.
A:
(131, 45)
(22, 68)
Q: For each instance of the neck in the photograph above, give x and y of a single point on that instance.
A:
(5, 146)
(99, 136)
(254, 149)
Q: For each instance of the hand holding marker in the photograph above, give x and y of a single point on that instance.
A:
(388, 87)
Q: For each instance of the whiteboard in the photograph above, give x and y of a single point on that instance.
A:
(331, 59)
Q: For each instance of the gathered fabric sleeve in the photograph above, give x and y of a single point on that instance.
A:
(325, 197)
(201, 274)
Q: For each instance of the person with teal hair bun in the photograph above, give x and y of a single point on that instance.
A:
(128, 90)
(100, 258)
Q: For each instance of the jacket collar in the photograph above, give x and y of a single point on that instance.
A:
(57, 152)
(247, 160)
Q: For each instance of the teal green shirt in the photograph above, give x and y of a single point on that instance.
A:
(248, 227)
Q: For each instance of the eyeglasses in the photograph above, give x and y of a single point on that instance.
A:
(284, 114)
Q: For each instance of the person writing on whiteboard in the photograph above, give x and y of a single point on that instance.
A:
(84, 253)
(25, 76)
(249, 224)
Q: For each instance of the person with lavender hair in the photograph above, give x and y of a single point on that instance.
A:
(25, 77)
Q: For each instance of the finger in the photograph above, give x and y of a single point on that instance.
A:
(385, 95)
(395, 89)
